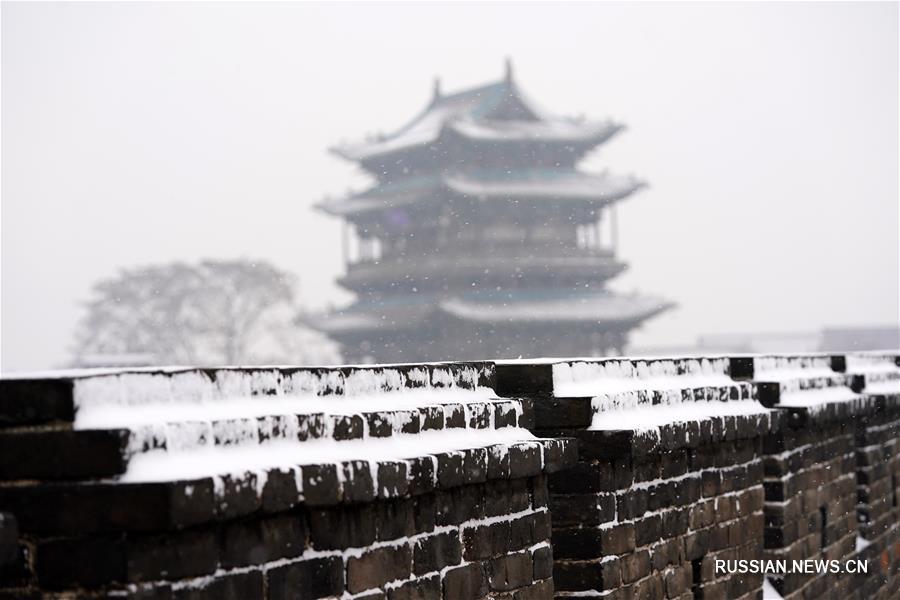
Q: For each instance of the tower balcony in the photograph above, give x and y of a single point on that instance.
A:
(503, 267)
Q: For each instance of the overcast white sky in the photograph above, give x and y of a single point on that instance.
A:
(140, 133)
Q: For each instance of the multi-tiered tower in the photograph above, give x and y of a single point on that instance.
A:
(480, 237)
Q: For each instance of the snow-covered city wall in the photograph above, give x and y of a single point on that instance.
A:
(689, 463)
(516, 479)
(408, 481)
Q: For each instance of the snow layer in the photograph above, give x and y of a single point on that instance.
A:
(564, 185)
(805, 381)
(198, 423)
(200, 432)
(423, 130)
(769, 591)
(96, 415)
(645, 394)
(868, 362)
(218, 460)
(645, 418)
(93, 372)
(561, 185)
(135, 398)
(464, 112)
(883, 388)
(880, 369)
(818, 398)
(547, 130)
(786, 367)
(593, 378)
(602, 307)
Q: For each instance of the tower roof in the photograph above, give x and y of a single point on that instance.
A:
(495, 112)
(570, 186)
(601, 309)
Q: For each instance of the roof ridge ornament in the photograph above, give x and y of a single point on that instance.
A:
(508, 70)
(437, 89)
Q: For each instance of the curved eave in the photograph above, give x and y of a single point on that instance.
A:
(591, 136)
(588, 189)
(361, 154)
(377, 199)
(559, 132)
(564, 310)
(341, 153)
(341, 323)
(471, 188)
(362, 324)
(361, 321)
(361, 205)
(361, 318)
(424, 129)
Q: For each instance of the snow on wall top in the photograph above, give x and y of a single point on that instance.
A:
(813, 382)
(603, 376)
(133, 398)
(189, 423)
(246, 452)
(136, 386)
(880, 371)
(866, 362)
(644, 395)
(782, 367)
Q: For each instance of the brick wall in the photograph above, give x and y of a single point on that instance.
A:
(647, 511)
(611, 478)
(407, 507)
(817, 461)
(461, 541)
(877, 451)
(810, 468)
(878, 477)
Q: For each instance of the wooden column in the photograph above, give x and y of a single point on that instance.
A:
(345, 243)
(613, 229)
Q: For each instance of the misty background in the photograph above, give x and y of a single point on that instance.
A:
(137, 133)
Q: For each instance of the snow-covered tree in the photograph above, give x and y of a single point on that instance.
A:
(215, 312)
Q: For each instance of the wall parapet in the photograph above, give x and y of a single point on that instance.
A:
(523, 479)
(244, 483)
